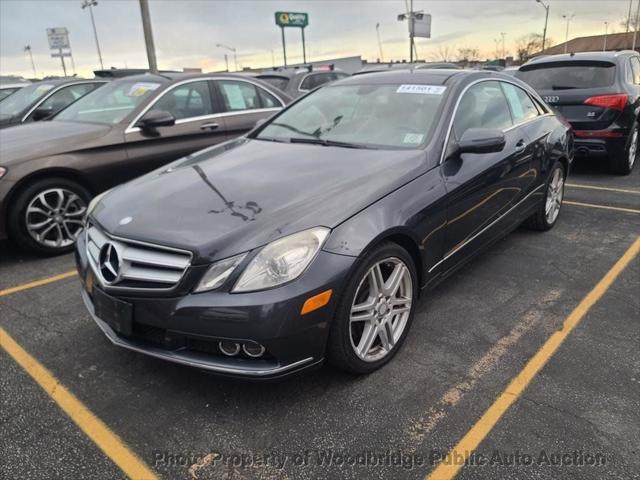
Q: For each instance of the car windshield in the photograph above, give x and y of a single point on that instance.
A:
(16, 103)
(110, 104)
(374, 116)
(568, 75)
(5, 92)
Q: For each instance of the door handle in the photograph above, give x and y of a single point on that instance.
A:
(209, 126)
(520, 146)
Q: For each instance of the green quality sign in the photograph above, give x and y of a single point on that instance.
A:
(292, 19)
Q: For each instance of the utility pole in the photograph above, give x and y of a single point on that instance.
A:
(411, 17)
(379, 42)
(148, 36)
(606, 28)
(497, 42)
(231, 49)
(568, 18)
(629, 15)
(27, 48)
(546, 21)
(635, 27)
(226, 61)
(90, 4)
(504, 52)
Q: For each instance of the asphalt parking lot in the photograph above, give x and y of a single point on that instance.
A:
(575, 402)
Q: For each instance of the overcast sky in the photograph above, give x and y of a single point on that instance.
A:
(186, 31)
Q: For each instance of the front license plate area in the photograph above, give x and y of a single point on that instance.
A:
(114, 312)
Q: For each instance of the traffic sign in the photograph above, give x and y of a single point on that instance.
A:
(58, 38)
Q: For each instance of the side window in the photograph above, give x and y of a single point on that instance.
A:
(522, 107)
(314, 80)
(239, 95)
(268, 100)
(482, 106)
(66, 96)
(186, 101)
(635, 67)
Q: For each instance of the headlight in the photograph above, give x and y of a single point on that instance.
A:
(93, 204)
(282, 260)
(218, 273)
(3, 171)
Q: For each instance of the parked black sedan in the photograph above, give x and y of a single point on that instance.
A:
(599, 94)
(312, 237)
(43, 99)
(50, 170)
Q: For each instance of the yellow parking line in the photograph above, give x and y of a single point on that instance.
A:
(453, 462)
(604, 207)
(608, 189)
(92, 426)
(37, 283)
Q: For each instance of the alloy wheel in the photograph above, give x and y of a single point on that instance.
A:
(54, 217)
(555, 192)
(633, 148)
(380, 309)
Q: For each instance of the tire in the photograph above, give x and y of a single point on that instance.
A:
(541, 220)
(57, 204)
(346, 336)
(623, 162)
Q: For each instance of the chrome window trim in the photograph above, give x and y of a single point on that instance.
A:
(54, 90)
(455, 110)
(475, 235)
(131, 128)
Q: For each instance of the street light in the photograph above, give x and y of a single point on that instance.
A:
(27, 48)
(504, 53)
(568, 18)
(90, 4)
(606, 28)
(546, 21)
(231, 49)
(379, 42)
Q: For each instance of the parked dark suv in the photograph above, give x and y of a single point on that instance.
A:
(297, 82)
(50, 170)
(598, 93)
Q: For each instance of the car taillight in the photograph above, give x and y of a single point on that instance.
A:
(614, 102)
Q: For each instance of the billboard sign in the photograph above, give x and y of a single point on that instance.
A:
(421, 25)
(292, 19)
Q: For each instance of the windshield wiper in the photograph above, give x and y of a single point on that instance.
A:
(329, 143)
(292, 128)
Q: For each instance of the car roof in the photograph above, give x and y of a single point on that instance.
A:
(288, 74)
(588, 56)
(436, 76)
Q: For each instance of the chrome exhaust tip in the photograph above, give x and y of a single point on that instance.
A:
(230, 349)
(253, 350)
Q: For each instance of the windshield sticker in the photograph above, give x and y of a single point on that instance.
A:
(140, 88)
(43, 88)
(422, 89)
(234, 97)
(413, 138)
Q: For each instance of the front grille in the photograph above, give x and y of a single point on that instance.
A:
(134, 264)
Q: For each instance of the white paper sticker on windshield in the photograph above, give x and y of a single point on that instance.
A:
(140, 88)
(413, 138)
(423, 89)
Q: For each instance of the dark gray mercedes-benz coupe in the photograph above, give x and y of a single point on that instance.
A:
(311, 238)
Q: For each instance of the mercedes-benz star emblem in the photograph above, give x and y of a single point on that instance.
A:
(109, 263)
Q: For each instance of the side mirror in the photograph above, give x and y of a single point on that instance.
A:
(41, 113)
(156, 118)
(481, 140)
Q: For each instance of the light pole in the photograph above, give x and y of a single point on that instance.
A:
(568, 18)
(27, 48)
(606, 28)
(497, 42)
(231, 49)
(635, 27)
(379, 42)
(148, 36)
(90, 4)
(226, 61)
(504, 54)
(546, 21)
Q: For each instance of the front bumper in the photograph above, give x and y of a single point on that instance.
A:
(186, 329)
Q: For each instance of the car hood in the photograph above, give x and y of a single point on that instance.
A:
(246, 193)
(45, 138)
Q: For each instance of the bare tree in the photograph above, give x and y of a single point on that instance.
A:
(445, 53)
(530, 44)
(468, 54)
